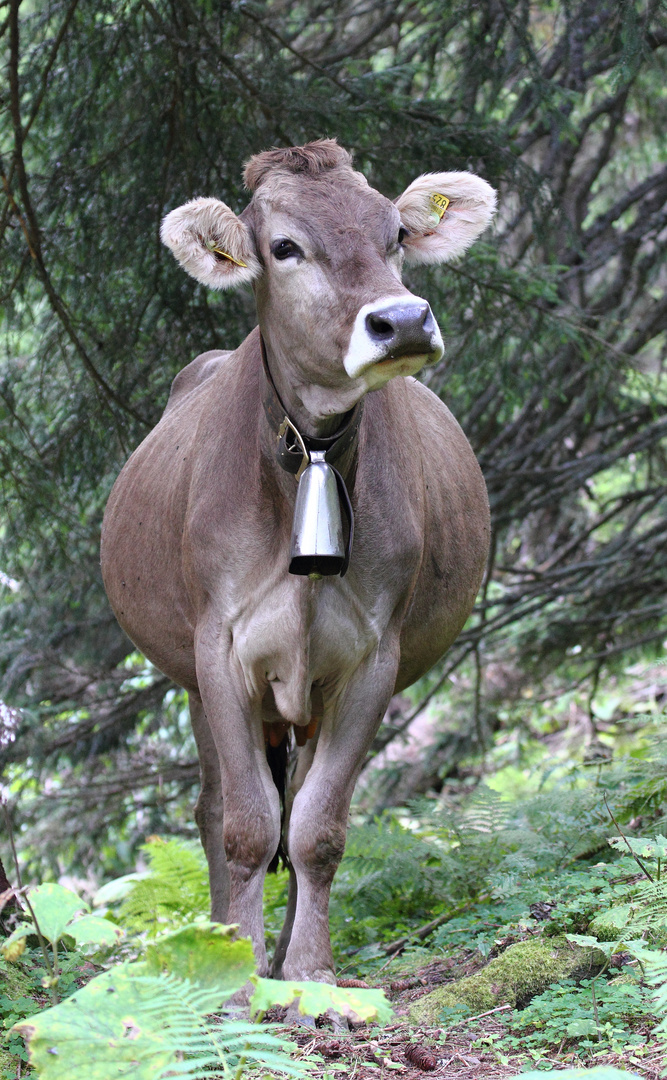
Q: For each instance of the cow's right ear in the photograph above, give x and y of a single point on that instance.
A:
(211, 243)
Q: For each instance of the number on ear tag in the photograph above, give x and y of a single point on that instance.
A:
(439, 204)
(211, 245)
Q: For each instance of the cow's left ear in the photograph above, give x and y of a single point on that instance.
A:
(211, 243)
(443, 214)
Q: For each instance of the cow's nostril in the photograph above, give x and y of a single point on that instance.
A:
(379, 328)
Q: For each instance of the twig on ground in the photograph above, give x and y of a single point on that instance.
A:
(479, 1016)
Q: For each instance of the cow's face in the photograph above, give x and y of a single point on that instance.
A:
(324, 252)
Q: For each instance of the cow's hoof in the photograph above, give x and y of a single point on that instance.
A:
(293, 1016)
(241, 999)
(339, 1023)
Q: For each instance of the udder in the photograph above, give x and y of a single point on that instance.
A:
(298, 645)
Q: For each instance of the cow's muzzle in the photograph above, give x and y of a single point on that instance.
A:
(402, 329)
(393, 333)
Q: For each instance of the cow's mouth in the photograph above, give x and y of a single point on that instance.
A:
(408, 358)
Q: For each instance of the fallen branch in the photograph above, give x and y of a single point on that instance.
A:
(425, 931)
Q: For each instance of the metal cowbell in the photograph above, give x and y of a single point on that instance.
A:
(318, 546)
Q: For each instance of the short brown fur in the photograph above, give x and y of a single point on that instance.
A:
(196, 536)
(309, 160)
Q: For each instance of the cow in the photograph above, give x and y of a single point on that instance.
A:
(196, 535)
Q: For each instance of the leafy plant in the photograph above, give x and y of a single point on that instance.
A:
(21, 995)
(153, 1018)
(173, 892)
(315, 999)
(56, 914)
(586, 1017)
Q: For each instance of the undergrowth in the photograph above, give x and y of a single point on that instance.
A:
(585, 858)
(491, 866)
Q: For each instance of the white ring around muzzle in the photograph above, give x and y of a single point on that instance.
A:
(363, 352)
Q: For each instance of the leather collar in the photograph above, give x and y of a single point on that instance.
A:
(293, 449)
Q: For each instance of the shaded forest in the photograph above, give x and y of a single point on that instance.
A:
(114, 113)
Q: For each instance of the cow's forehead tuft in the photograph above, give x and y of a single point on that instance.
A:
(312, 159)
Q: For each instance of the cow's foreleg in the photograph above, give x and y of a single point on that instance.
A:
(318, 822)
(251, 829)
(208, 811)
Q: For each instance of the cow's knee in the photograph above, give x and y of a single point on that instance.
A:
(250, 844)
(316, 848)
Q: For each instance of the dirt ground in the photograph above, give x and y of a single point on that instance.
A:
(402, 1049)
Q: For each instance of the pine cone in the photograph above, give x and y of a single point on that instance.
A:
(421, 1057)
(349, 984)
(399, 985)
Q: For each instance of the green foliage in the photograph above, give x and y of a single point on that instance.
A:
(55, 911)
(174, 892)
(655, 848)
(21, 995)
(484, 863)
(316, 999)
(153, 1017)
(587, 1017)
(128, 1023)
(488, 866)
(204, 954)
(656, 975)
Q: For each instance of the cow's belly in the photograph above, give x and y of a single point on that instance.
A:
(300, 635)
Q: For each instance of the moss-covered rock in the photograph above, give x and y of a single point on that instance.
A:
(13, 981)
(610, 925)
(513, 978)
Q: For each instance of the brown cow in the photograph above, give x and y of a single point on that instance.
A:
(196, 537)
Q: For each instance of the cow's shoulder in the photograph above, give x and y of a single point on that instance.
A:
(456, 534)
(442, 438)
(200, 370)
(428, 407)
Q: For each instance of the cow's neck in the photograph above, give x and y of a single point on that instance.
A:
(294, 445)
(307, 406)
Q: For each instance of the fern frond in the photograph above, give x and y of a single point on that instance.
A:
(650, 906)
(177, 1014)
(175, 893)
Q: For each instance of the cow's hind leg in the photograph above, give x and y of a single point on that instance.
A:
(209, 811)
(303, 764)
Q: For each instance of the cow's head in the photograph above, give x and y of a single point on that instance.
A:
(324, 252)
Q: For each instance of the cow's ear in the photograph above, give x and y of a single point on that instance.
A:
(443, 214)
(211, 243)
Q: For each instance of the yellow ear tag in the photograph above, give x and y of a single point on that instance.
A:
(210, 244)
(439, 204)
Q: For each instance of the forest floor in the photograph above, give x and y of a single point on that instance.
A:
(470, 1049)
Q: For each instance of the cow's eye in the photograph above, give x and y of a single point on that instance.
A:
(282, 249)
(402, 235)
